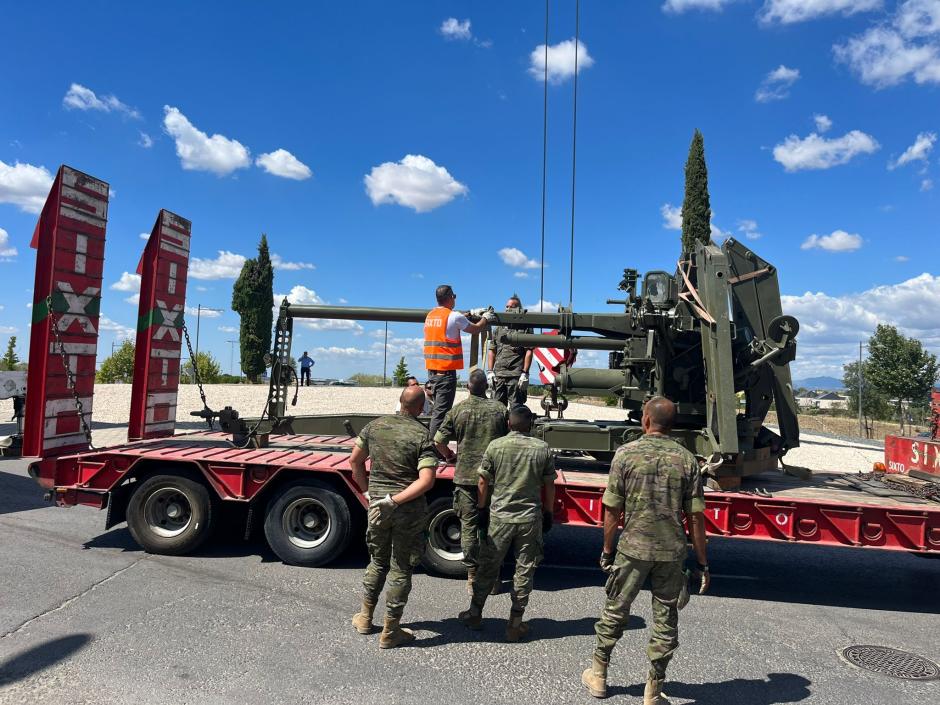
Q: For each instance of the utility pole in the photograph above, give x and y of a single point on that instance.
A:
(199, 310)
(861, 430)
(385, 357)
(231, 357)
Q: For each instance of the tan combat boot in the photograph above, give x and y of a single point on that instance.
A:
(471, 577)
(653, 695)
(472, 618)
(516, 629)
(595, 678)
(362, 620)
(393, 635)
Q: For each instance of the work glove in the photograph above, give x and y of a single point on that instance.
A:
(483, 523)
(490, 316)
(382, 511)
(547, 521)
(524, 380)
(477, 311)
(703, 578)
(490, 377)
(607, 562)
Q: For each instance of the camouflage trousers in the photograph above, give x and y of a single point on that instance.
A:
(508, 391)
(465, 506)
(622, 587)
(395, 548)
(526, 542)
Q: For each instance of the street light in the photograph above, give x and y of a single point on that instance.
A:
(199, 309)
(231, 357)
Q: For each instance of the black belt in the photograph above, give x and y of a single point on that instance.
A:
(442, 372)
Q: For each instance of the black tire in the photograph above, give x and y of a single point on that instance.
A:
(307, 523)
(170, 514)
(442, 555)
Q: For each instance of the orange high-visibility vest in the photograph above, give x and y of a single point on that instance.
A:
(440, 352)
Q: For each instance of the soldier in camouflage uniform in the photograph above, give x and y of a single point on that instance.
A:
(517, 467)
(653, 481)
(509, 365)
(402, 471)
(473, 423)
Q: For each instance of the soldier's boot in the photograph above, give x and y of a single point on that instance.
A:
(393, 635)
(653, 694)
(471, 577)
(362, 620)
(595, 678)
(516, 629)
(472, 618)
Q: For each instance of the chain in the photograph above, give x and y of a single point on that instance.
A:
(195, 366)
(69, 377)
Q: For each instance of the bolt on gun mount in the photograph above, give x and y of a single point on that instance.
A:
(704, 336)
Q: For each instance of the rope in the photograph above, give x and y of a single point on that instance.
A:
(544, 164)
(574, 144)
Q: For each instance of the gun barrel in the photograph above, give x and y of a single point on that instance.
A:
(359, 313)
(592, 342)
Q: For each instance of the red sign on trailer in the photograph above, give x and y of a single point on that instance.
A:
(69, 243)
(163, 269)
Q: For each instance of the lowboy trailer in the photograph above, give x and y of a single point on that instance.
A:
(170, 488)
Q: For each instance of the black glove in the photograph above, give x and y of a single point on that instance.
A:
(607, 562)
(483, 522)
(547, 521)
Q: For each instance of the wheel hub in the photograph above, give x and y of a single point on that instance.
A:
(306, 522)
(168, 512)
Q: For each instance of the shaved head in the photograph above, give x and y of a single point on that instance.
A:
(659, 415)
(520, 419)
(476, 384)
(412, 400)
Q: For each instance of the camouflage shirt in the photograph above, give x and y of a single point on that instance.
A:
(398, 446)
(509, 359)
(474, 422)
(654, 480)
(516, 466)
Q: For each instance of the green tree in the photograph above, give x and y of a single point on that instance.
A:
(252, 298)
(400, 374)
(364, 379)
(875, 405)
(899, 368)
(208, 366)
(10, 360)
(696, 206)
(119, 367)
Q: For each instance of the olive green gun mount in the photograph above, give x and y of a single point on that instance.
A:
(712, 337)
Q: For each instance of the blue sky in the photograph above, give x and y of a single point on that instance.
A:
(819, 116)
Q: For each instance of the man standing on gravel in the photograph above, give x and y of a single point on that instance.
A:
(516, 468)
(653, 481)
(473, 423)
(509, 365)
(443, 351)
(306, 367)
(402, 472)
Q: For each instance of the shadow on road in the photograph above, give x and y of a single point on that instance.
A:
(776, 688)
(41, 657)
(19, 493)
(449, 631)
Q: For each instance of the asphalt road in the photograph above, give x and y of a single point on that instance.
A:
(86, 617)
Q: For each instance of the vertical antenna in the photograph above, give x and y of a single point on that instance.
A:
(544, 164)
(574, 143)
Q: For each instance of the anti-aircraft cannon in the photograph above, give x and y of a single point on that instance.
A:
(712, 337)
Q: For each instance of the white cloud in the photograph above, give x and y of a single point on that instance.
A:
(515, 257)
(792, 11)
(134, 299)
(145, 141)
(121, 332)
(906, 46)
(128, 282)
(199, 152)
(78, 97)
(24, 185)
(831, 326)
(823, 123)
(144, 236)
(227, 265)
(414, 182)
(333, 324)
(228, 329)
(817, 152)
(560, 60)
(452, 28)
(919, 151)
(679, 6)
(926, 185)
(203, 312)
(749, 229)
(302, 295)
(521, 275)
(9, 329)
(6, 250)
(547, 306)
(836, 241)
(280, 264)
(672, 216)
(282, 163)
(901, 258)
(776, 84)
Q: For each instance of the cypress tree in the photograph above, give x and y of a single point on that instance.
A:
(253, 299)
(696, 207)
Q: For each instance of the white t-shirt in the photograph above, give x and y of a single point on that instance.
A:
(456, 322)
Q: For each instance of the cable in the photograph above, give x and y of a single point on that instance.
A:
(574, 144)
(544, 164)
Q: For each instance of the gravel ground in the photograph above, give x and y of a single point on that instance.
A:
(112, 402)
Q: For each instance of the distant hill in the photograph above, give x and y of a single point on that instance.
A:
(830, 384)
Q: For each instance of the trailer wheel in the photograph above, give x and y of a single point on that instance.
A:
(308, 524)
(443, 554)
(170, 515)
